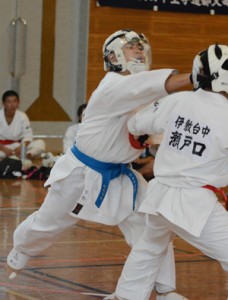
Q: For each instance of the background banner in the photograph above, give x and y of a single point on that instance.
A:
(188, 6)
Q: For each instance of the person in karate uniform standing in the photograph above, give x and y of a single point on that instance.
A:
(190, 165)
(93, 180)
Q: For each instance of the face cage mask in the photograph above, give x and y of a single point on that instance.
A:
(115, 48)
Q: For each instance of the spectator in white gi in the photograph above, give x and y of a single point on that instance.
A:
(15, 130)
(93, 181)
(70, 134)
(191, 163)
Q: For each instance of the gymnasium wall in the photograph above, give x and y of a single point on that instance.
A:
(61, 34)
(175, 37)
(43, 55)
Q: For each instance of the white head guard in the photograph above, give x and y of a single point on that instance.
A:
(113, 48)
(210, 69)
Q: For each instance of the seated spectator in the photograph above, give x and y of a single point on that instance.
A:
(49, 159)
(16, 136)
(69, 137)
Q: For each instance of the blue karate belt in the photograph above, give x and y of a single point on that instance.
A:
(108, 171)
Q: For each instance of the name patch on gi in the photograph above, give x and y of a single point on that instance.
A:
(77, 208)
(189, 137)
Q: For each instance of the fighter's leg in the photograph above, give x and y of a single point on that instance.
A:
(213, 240)
(132, 229)
(142, 267)
(43, 227)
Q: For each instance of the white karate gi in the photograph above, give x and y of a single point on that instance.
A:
(103, 135)
(193, 153)
(19, 131)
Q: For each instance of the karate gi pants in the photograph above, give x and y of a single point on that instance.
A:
(43, 227)
(143, 264)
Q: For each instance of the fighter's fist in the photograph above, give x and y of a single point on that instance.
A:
(139, 142)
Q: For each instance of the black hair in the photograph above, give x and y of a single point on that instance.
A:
(9, 94)
(80, 110)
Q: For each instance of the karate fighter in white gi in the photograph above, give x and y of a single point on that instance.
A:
(93, 180)
(191, 161)
(15, 129)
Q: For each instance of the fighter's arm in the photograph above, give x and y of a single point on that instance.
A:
(173, 83)
(177, 81)
(131, 91)
(153, 119)
(142, 122)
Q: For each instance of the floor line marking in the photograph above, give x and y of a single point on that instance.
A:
(14, 293)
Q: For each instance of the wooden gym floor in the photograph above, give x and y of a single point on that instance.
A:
(88, 257)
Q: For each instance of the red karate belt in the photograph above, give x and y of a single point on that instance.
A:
(219, 191)
(7, 142)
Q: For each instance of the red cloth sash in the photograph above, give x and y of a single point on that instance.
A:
(7, 142)
(219, 191)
